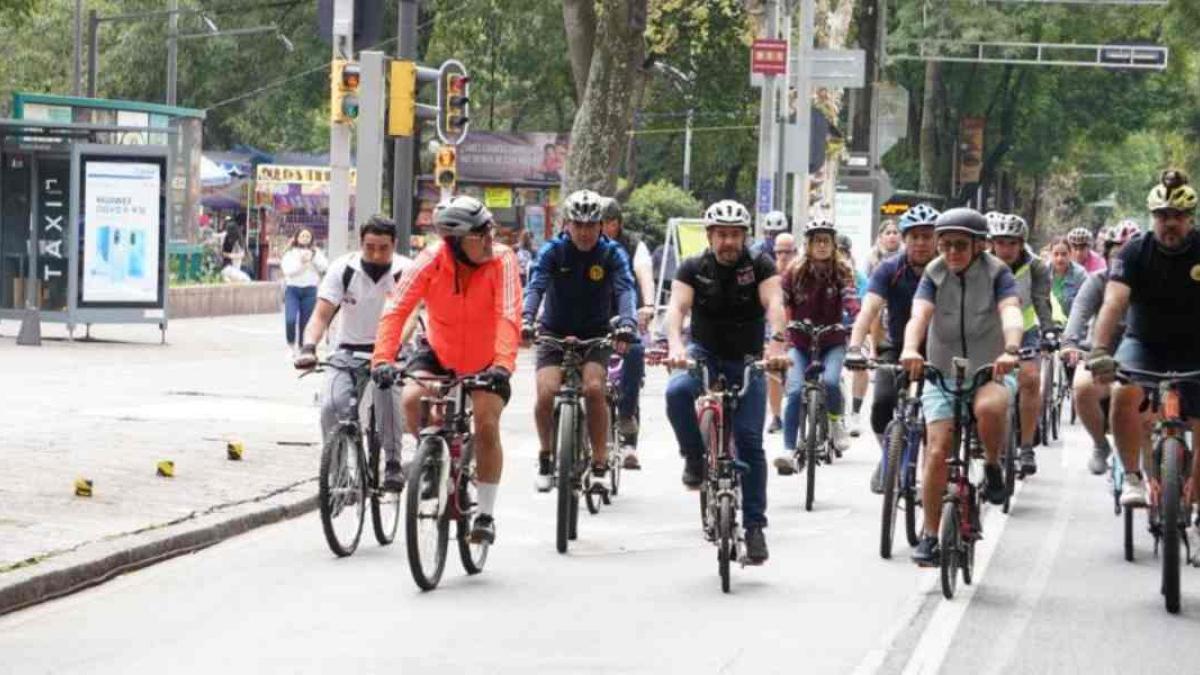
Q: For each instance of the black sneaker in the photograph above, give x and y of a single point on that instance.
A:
(775, 426)
(393, 476)
(993, 485)
(545, 474)
(483, 531)
(1028, 462)
(693, 472)
(756, 545)
(926, 554)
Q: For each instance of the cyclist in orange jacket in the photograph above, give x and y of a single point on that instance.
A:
(471, 288)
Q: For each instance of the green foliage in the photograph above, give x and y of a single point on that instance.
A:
(652, 204)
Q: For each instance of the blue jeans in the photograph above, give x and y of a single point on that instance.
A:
(298, 304)
(682, 391)
(633, 370)
(793, 408)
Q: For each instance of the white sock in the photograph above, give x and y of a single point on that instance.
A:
(487, 497)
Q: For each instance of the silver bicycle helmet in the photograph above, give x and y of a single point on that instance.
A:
(1006, 225)
(775, 222)
(584, 206)
(460, 215)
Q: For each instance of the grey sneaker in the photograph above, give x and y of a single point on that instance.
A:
(1098, 464)
(756, 545)
(1133, 492)
(1028, 462)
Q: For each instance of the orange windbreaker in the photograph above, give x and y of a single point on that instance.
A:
(472, 323)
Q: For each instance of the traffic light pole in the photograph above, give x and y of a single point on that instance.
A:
(404, 147)
(368, 193)
(339, 139)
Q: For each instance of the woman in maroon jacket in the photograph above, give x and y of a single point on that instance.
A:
(818, 288)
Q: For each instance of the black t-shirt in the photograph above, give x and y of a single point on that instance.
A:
(1164, 296)
(728, 318)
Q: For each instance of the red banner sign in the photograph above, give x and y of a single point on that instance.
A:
(769, 57)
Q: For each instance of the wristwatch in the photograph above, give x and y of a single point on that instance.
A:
(778, 337)
(1012, 350)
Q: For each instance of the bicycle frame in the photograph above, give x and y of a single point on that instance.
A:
(959, 486)
(447, 411)
(571, 390)
(814, 391)
(908, 414)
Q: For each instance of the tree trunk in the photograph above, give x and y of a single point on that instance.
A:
(930, 110)
(579, 18)
(600, 132)
(860, 130)
(631, 148)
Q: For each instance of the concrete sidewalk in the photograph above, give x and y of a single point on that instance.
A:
(109, 410)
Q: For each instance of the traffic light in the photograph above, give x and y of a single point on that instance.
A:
(454, 103)
(404, 81)
(344, 77)
(445, 167)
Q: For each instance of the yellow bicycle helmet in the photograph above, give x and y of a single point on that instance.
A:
(1173, 193)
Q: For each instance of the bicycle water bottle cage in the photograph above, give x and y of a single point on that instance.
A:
(814, 371)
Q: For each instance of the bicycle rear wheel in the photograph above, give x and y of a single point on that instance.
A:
(891, 488)
(615, 460)
(1128, 534)
(1047, 402)
(725, 539)
(568, 498)
(1173, 453)
(949, 540)
(342, 492)
(385, 506)
(473, 556)
(811, 439)
(426, 520)
(1010, 459)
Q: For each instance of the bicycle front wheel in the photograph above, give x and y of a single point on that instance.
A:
(426, 523)
(949, 538)
(711, 436)
(812, 437)
(568, 498)
(1173, 453)
(1128, 534)
(1010, 458)
(473, 556)
(725, 540)
(385, 506)
(891, 488)
(342, 492)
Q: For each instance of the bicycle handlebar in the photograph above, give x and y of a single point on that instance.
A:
(571, 342)
(980, 377)
(813, 331)
(1152, 378)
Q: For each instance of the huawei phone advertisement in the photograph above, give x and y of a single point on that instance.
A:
(121, 232)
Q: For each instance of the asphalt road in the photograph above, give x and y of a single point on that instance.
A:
(639, 591)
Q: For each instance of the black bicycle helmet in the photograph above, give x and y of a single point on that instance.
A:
(965, 220)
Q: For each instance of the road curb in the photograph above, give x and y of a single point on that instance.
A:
(52, 584)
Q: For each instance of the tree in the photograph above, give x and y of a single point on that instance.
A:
(605, 109)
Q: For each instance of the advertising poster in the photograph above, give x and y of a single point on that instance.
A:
(122, 221)
(854, 214)
(537, 158)
(970, 156)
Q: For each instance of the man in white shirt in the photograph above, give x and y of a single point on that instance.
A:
(356, 286)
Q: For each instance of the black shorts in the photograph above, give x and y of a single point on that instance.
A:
(550, 355)
(425, 360)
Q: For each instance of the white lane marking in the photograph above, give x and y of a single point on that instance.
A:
(1039, 576)
(931, 649)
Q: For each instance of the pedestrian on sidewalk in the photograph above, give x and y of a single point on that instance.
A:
(302, 265)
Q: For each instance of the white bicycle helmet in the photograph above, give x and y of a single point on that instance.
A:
(775, 222)
(1006, 225)
(819, 225)
(584, 206)
(1080, 236)
(727, 213)
(460, 215)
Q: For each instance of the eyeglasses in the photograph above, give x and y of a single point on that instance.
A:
(957, 246)
(785, 251)
(1171, 213)
(481, 233)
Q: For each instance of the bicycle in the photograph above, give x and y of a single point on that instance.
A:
(612, 395)
(1055, 388)
(817, 446)
(571, 449)
(721, 492)
(350, 475)
(442, 481)
(1170, 470)
(903, 437)
(961, 525)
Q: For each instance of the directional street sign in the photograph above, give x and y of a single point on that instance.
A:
(834, 68)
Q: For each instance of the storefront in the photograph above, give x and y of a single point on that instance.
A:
(288, 198)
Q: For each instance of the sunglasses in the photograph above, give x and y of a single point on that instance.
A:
(957, 246)
(1172, 213)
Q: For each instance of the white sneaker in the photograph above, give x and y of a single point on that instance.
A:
(855, 424)
(841, 441)
(1133, 493)
(785, 463)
